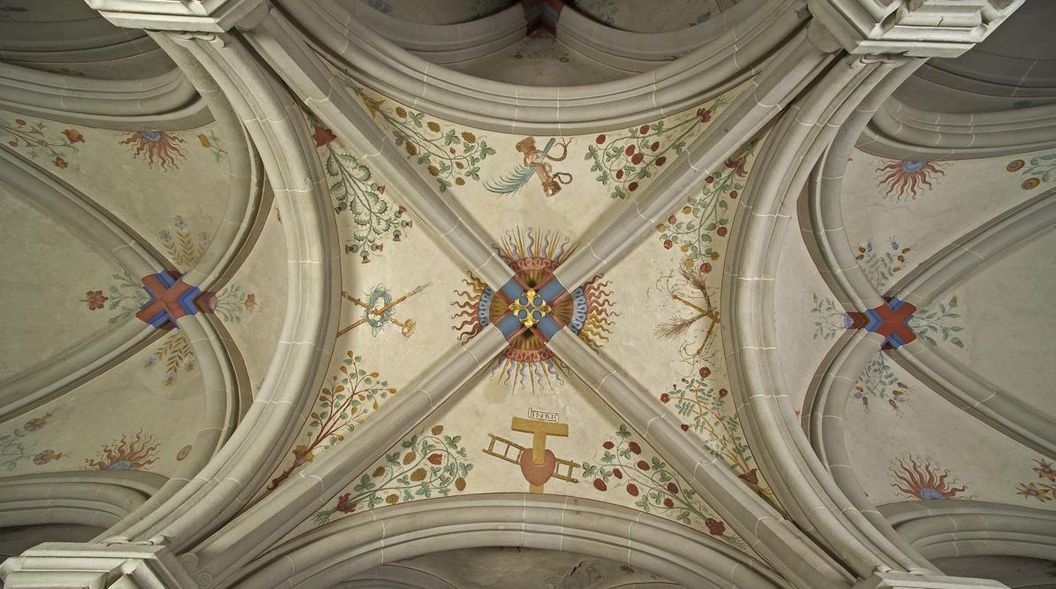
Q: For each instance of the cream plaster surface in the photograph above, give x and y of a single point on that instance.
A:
(127, 400)
(578, 201)
(253, 304)
(40, 253)
(962, 194)
(798, 288)
(396, 319)
(488, 409)
(1011, 322)
(926, 428)
(185, 184)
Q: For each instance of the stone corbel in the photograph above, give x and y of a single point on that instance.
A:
(68, 566)
(208, 16)
(915, 28)
(893, 580)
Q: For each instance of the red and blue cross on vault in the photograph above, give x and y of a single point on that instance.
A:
(170, 299)
(890, 320)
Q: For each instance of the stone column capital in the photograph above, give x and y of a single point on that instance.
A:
(62, 565)
(914, 28)
(895, 580)
(205, 16)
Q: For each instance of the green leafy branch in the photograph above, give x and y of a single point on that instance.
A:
(653, 483)
(706, 215)
(932, 324)
(635, 154)
(418, 469)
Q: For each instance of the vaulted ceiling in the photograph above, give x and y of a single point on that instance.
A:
(475, 293)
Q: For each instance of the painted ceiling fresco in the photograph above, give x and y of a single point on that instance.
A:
(406, 304)
(121, 420)
(905, 441)
(127, 222)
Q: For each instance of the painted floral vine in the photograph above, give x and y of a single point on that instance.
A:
(373, 218)
(653, 484)
(449, 155)
(211, 142)
(36, 140)
(829, 317)
(1042, 491)
(933, 325)
(881, 262)
(705, 218)
(697, 400)
(624, 158)
(340, 407)
(880, 382)
(16, 447)
(423, 466)
(1042, 168)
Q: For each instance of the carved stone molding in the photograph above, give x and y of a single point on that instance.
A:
(893, 580)
(212, 16)
(70, 566)
(916, 28)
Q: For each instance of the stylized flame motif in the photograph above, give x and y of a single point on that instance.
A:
(921, 480)
(902, 175)
(534, 255)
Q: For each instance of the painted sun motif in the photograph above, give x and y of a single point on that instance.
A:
(921, 480)
(126, 454)
(587, 311)
(900, 176)
(157, 146)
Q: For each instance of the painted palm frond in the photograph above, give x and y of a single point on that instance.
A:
(512, 182)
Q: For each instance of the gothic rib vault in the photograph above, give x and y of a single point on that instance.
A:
(479, 293)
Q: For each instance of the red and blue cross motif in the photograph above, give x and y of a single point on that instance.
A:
(170, 299)
(530, 308)
(890, 320)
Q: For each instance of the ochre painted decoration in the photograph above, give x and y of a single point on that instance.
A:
(535, 164)
(533, 306)
(1042, 168)
(34, 139)
(16, 445)
(379, 311)
(919, 479)
(126, 454)
(693, 292)
(654, 485)
(340, 407)
(158, 146)
(1043, 491)
(899, 176)
(423, 466)
(890, 320)
(538, 464)
(356, 193)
